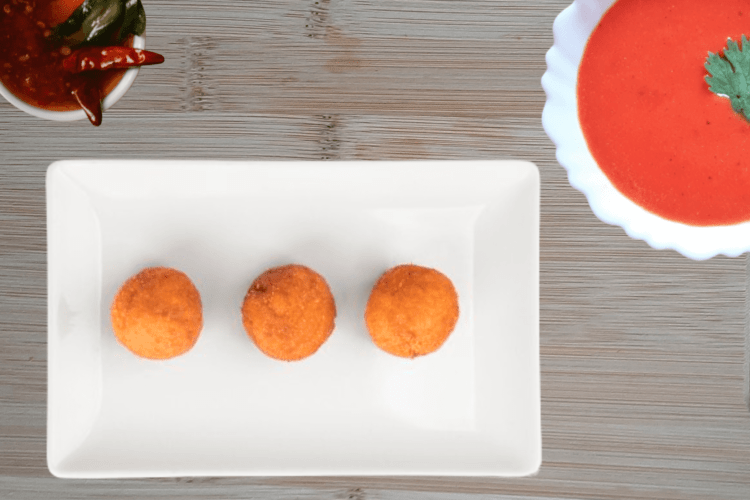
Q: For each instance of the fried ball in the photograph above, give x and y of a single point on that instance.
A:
(157, 314)
(411, 311)
(289, 312)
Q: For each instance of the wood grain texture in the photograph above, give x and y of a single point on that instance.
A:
(643, 353)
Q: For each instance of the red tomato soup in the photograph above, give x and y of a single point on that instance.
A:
(30, 64)
(661, 137)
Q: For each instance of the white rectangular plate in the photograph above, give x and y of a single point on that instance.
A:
(224, 408)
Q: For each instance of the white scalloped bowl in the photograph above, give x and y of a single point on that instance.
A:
(109, 100)
(572, 29)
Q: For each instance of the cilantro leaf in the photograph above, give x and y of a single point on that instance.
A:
(729, 75)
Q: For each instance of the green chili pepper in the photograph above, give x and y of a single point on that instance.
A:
(134, 19)
(73, 24)
(139, 26)
(102, 22)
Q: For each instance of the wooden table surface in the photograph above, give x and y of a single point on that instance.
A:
(643, 352)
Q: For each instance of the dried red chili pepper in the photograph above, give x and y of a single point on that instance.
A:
(105, 58)
(89, 98)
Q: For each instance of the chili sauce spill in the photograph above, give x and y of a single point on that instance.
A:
(655, 129)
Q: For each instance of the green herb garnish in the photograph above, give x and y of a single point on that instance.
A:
(729, 75)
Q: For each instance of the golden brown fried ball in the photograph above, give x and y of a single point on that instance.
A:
(157, 313)
(289, 312)
(411, 310)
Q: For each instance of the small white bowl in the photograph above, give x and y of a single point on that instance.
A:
(122, 87)
(572, 29)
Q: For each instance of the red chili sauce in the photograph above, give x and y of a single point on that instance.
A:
(661, 137)
(31, 65)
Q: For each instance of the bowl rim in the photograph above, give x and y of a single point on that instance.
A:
(139, 42)
(572, 29)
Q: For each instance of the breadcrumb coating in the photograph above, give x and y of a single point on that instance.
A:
(289, 312)
(157, 314)
(412, 311)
